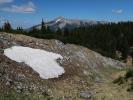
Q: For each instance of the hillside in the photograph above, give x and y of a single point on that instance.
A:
(84, 69)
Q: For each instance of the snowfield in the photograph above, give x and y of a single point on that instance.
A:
(41, 61)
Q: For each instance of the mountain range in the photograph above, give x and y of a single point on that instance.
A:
(61, 22)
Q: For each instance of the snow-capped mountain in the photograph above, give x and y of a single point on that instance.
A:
(62, 23)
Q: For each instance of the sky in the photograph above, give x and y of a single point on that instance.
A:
(27, 13)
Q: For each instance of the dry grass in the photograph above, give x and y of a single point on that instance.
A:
(110, 91)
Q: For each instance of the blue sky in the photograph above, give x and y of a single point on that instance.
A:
(30, 12)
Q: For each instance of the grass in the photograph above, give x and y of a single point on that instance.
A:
(110, 91)
(117, 91)
(17, 96)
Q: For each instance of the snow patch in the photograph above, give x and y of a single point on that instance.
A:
(58, 20)
(41, 61)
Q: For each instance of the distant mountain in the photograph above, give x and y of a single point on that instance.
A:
(62, 23)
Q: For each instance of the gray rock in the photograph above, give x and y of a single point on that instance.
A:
(19, 88)
(85, 95)
(7, 83)
(1, 51)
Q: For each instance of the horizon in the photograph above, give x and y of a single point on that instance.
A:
(27, 13)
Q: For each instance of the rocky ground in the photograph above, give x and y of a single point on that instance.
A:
(84, 70)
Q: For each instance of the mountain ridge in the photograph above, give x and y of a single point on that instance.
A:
(61, 22)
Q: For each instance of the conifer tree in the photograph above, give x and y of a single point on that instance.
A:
(43, 27)
(7, 26)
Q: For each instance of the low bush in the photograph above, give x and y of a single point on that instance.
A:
(119, 80)
(129, 74)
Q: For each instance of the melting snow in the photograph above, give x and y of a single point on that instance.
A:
(41, 61)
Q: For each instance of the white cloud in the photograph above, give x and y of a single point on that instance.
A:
(117, 11)
(27, 8)
(5, 1)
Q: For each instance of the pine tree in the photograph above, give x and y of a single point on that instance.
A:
(125, 48)
(66, 32)
(59, 32)
(43, 27)
(48, 30)
(7, 26)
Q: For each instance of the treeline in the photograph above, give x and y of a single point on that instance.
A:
(103, 38)
(8, 28)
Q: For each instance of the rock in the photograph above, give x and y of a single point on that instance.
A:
(85, 95)
(1, 51)
(1, 43)
(98, 80)
(8, 83)
(19, 88)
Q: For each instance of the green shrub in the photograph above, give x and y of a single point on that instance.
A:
(130, 89)
(119, 80)
(129, 74)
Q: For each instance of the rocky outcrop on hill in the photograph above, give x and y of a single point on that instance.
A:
(82, 68)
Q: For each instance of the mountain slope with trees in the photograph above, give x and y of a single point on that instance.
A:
(103, 38)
